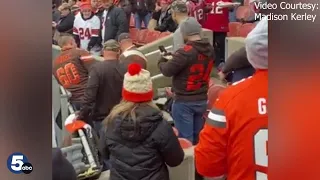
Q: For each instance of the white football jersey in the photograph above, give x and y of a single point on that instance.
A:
(86, 29)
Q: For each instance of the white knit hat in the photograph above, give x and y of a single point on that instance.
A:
(257, 45)
(137, 84)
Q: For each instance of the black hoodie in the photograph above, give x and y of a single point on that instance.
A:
(141, 151)
(190, 69)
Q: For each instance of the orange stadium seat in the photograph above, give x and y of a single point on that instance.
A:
(243, 13)
(134, 33)
(164, 34)
(152, 36)
(245, 29)
(141, 37)
(234, 29)
(132, 24)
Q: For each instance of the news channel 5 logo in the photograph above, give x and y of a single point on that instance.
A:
(18, 163)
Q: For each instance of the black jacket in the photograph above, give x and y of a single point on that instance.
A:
(65, 24)
(141, 153)
(103, 90)
(190, 70)
(116, 23)
(167, 23)
(237, 60)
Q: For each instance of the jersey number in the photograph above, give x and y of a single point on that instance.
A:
(68, 75)
(261, 154)
(84, 33)
(198, 14)
(195, 81)
(216, 9)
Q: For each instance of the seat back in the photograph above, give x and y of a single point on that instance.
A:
(245, 29)
(234, 29)
(133, 34)
(152, 36)
(141, 37)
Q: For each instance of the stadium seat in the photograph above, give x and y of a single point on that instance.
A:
(152, 36)
(132, 23)
(245, 29)
(134, 33)
(234, 29)
(164, 34)
(243, 13)
(141, 37)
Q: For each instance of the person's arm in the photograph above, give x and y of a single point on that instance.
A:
(122, 23)
(66, 24)
(167, 24)
(90, 95)
(207, 7)
(103, 145)
(170, 148)
(211, 151)
(95, 31)
(175, 65)
(177, 40)
(237, 60)
(87, 60)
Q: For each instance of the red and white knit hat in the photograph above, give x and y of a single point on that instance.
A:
(137, 84)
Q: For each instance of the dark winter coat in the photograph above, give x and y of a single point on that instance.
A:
(142, 152)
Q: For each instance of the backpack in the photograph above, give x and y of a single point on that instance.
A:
(142, 7)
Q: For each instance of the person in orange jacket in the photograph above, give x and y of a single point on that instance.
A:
(233, 143)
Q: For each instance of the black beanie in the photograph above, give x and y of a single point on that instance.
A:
(62, 169)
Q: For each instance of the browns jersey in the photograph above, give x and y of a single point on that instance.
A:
(71, 69)
(233, 143)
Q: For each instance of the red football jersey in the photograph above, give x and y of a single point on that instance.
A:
(196, 10)
(234, 140)
(218, 18)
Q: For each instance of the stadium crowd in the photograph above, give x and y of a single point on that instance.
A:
(115, 96)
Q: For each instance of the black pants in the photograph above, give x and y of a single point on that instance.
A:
(219, 42)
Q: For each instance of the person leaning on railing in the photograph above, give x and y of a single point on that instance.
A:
(237, 65)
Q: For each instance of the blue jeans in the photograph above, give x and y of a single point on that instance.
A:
(138, 20)
(97, 126)
(188, 118)
(76, 106)
(232, 15)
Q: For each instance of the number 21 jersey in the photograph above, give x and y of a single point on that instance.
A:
(86, 29)
(218, 18)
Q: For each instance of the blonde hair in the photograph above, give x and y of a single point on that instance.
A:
(64, 6)
(126, 109)
(64, 40)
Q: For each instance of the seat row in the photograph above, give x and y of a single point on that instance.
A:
(237, 29)
(145, 36)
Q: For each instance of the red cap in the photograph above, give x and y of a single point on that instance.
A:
(85, 5)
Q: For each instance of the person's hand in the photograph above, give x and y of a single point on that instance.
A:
(222, 76)
(166, 55)
(158, 8)
(54, 24)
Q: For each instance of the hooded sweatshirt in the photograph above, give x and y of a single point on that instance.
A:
(190, 69)
(141, 150)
